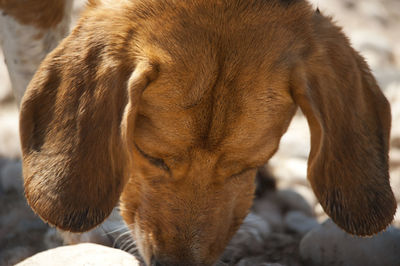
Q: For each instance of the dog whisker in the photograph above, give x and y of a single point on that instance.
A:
(128, 244)
(122, 228)
(122, 238)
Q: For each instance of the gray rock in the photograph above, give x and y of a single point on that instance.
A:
(82, 254)
(52, 239)
(14, 255)
(113, 232)
(300, 223)
(249, 239)
(256, 261)
(11, 176)
(329, 245)
(306, 192)
(291, 200)
(269, 211)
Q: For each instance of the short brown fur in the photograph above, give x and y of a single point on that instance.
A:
(176, 103)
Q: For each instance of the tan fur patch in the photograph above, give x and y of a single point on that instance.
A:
(39, 13)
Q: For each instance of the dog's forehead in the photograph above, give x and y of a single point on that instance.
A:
(223, 75)
(190, 32)
(214, 110)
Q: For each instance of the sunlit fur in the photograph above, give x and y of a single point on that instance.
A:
(174, 104)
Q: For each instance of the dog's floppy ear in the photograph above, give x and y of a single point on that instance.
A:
(71, 114)
(349, 120)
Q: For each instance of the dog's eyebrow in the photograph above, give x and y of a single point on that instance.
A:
(242, 171)
(287, 2)
(155, 161)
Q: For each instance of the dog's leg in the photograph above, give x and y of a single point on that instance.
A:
(25, 42)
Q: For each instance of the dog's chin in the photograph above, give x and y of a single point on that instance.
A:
(142, 243)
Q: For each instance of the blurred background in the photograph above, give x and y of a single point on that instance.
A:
(373, 27)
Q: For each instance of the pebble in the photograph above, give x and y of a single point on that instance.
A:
(291, 200)
(320, 213)
(52, 238)
(393, 94)
(300, 223)
(248, 239)
(328, 245)
(305, 192)
(395, 182)
(11, 176)
(296, 141)
(256, 261)
(396, 219)
(293, 170)
(113, 232)
(9, 136)
(14, 255)
(5, 84)
(269, 211)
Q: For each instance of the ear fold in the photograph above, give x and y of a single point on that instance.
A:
(73, 156)
(349, 120)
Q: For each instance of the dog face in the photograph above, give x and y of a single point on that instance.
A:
(174, 105)
(193, 156)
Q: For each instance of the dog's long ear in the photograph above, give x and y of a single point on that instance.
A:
(349, 120)
(71, 114)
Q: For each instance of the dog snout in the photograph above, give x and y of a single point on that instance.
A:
(170, 262)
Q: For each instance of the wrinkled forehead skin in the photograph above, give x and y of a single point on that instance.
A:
(222, 80)
(215, 111)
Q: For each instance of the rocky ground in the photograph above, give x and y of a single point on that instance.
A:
(286, 226)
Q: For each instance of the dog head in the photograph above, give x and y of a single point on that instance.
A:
(175, 104)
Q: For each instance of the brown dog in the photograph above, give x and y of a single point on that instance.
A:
(174, 104)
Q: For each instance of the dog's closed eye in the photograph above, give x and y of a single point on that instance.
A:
(154, 161)
(239, 174)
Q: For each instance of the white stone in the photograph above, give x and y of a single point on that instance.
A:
(320, 213)
(396, 219)
(296, 141)
(292, 170)
(82, 255)
(9, 136)
(395, 182)
(394, 156)
(393, 94)
(329, 245)
(373, 9)
(5, 84)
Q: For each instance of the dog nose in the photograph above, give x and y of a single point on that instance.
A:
(157, 262)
